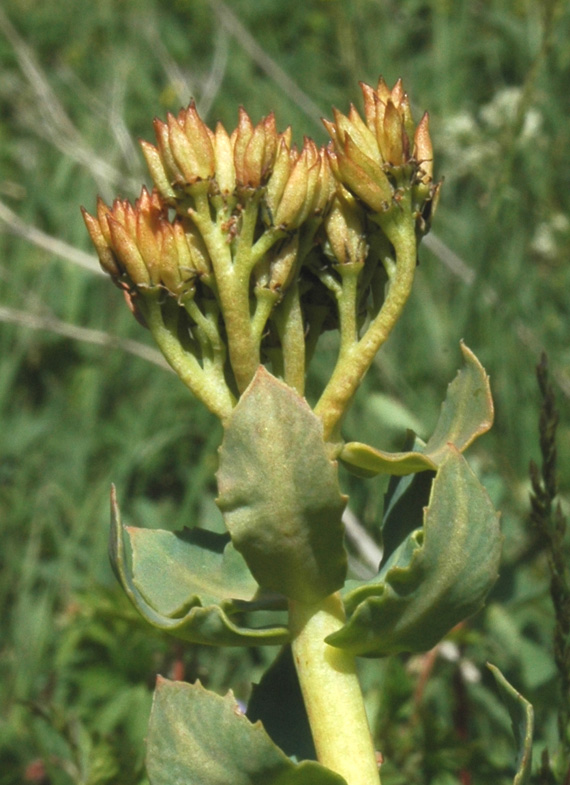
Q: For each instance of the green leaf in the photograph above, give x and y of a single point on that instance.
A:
(201, 567)
(190, 584)
(522, 718)
(439, 575)
(466, 413)
(366, 461)
(278, 702)
(196, 736)
(279, 493)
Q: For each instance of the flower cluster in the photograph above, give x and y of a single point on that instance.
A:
(374, 159)
(249, 234)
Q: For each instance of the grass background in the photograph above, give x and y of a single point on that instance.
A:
(84, 399)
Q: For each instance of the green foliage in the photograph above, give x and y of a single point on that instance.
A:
(437, 576)
(283, 509)
(207, 585)
(196, 733)
(75, 416)
(466, 413)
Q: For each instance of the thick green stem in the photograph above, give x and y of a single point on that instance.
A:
(232, 281)
(332, 693)
(347, 306)
(353, 363)
(289, 321)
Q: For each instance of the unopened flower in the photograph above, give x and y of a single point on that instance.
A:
(139, 245)
(278, 266)
(344, 228)
(369, 157)
(184, 155)
(255, 148)
(225, 170)
(300, 185)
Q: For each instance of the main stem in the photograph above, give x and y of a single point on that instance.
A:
(332, 693)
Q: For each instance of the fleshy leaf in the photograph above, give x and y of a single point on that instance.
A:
(175, 570)
(190, 584)
(439, 574)
(196, 736)
(466, 413)
(279, 493)
(522, 718)
(366, 461)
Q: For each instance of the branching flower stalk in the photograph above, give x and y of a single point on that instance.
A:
(245, 252)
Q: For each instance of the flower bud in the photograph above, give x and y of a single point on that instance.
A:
(344, 228)
(374, 159)
(225, 171)
(126, 250)
(285, 159)
(255, 149)
(170, 263)
(325, 185)
(276, 271)
(189, 156)
(300, 185)
(201, 138)
(157, 170)
(295, 192)
(170, 166)
(102, 243)
(376, 194)
(423, 150)
(200, 260)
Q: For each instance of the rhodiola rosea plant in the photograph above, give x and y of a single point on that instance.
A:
(244, 253)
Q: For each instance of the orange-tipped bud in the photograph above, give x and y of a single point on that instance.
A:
(149, 221)
(372, 193)
(170, 166)
(344, 227)
(284, 162)
(170, 273)
(300, 185)
(106, 256)
(126, 250)
(392, 139)
(255, 149)
(367, 157)
(157, 170)
(225, 173)
(283, 265)
(186, 155)
(200, 263)
(200, 137)
(295, 192)
(423, 150)
(243, 134)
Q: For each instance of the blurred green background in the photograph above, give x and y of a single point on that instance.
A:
(85, 400)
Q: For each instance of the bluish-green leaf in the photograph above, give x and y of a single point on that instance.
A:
(439, 575)
(466, 413)
(522, 718)
(191, 584)
(197, 737)
(279, 493)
